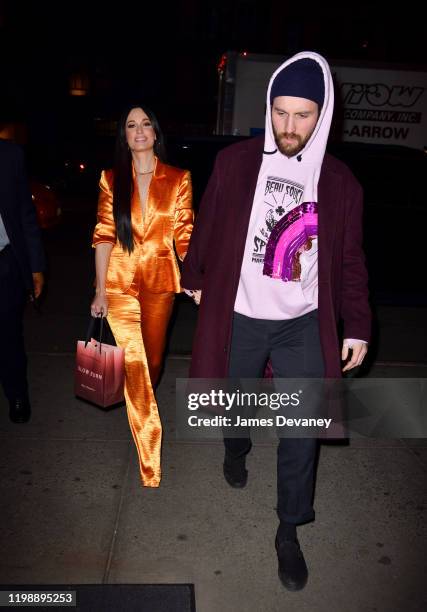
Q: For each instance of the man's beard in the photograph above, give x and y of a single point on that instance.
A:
(290, 149)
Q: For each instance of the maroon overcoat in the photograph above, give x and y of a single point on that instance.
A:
(215, 255)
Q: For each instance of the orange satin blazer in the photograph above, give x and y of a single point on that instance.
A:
(168, 221)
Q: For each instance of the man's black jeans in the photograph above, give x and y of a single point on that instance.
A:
(293, 347)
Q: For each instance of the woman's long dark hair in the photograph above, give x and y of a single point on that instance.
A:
(123, 182)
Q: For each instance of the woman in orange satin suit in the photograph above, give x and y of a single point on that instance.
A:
(144, 210)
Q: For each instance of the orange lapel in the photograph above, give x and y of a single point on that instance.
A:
(155, 190)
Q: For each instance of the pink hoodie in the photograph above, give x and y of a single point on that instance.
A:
(278, 279)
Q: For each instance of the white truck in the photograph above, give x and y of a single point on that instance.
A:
(376, 104)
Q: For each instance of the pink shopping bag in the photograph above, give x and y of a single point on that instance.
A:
(100, 371)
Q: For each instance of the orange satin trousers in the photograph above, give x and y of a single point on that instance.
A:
(139, 321)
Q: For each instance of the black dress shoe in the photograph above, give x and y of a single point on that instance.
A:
(19, 410)
(293, 571)
(235, 472)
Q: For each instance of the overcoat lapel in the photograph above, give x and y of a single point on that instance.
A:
(329, 190)
(245, 185)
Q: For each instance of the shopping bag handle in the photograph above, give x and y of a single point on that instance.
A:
(91, 329)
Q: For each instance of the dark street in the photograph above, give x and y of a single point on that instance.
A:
(74, 511)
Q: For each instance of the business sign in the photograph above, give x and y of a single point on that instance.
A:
(376, 105)
(383, 106)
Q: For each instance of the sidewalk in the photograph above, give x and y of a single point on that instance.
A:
(73, 509)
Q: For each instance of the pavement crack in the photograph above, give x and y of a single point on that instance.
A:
(106, 576)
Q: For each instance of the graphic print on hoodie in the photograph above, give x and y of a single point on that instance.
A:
(281, 196)
(278, 278)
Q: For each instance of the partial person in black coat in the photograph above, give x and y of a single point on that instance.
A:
(22, 264)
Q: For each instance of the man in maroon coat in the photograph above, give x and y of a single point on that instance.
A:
(276, 258)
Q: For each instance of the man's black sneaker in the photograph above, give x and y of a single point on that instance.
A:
(293, 571)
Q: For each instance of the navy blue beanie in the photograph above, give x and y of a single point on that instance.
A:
(301, 79)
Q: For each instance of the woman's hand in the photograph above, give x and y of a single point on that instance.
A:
(195, 294)
(99, 306)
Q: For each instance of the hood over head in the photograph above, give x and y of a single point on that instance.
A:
(305, 75)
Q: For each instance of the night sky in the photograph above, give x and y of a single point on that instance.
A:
(167, 56)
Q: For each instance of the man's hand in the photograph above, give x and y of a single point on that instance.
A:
(38, 282)
(359, 350)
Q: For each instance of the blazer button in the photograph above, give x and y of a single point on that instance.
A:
(225, 349)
